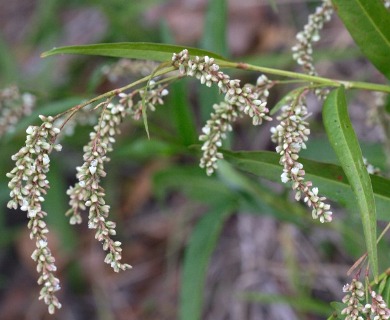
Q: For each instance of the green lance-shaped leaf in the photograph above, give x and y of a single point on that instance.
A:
(329, 178)
(132, 50)
(216, 19)
(197, 256)
(346, 146)
(368, 23)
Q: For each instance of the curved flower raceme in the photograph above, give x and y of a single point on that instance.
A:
(204, 69)
(249, 99)
(290, 136)
(213, 132)
(303, 50)
(353, 300)
(28, 187)
(377, 308)
(355, 310)
(88, 193)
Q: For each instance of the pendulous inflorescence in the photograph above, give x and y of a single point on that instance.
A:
(221, 121)
(303, 50)
(250, 100)
(88, 192)
(28, 179)
(290, 136)
(29, 186)
(378, 308)
(354, 300)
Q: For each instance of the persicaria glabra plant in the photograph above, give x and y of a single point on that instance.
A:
(28, 179)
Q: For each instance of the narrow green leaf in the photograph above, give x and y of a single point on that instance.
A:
(346, 145)
(258, 197)
(132, 50)
(368, 23)
(329, 178)
(337, 307)
(214, 36)
(194, 183)
(386, 291)
(215, 40)
(143, 149)
(381, 286)
(182, 114)
(197, 256)
(8, 66)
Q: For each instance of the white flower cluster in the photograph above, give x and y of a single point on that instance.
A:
(221, 122)
(88, 193)
(377, 308)
(353, 298)
(303, 50)
(28, 186)
(246, 99)
(213, 133)
(153, 96)
(13, 106)
(290, 136)
(249, 99)
(355, 310)
(386, 3)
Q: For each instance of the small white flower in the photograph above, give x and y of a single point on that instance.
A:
(32, 214)
(30, 130)
(42, 244)
(92, 169)
(94, 163)
(45, 159)
(285, 177)
(295, 171)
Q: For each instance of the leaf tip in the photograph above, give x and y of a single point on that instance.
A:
(47, 53)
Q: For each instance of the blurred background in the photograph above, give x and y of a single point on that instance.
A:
(201, 247)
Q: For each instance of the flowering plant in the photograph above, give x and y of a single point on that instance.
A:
(290, 133)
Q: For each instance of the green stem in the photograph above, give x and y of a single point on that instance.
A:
(114, 92)
(382, 276)
(305, 77)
